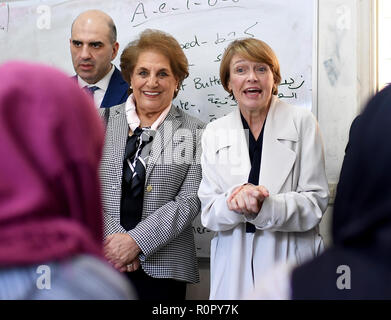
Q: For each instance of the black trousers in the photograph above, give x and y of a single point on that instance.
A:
(149, 288)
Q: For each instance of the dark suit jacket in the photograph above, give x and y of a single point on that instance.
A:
(117, 91)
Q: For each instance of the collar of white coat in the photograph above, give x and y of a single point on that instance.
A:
(278, 125)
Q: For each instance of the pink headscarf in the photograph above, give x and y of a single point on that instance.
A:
(51, 141)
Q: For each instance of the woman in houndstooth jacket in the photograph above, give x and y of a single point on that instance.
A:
(150, 173)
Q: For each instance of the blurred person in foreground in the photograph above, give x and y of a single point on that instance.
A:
(150, 173)
(50, 211)
(358, 264)
(264, 188)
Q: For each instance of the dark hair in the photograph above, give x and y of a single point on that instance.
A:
(113, 32)
(155, 40)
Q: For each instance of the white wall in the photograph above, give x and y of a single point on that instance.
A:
(345, 83)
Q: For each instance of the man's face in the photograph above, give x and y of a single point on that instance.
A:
(91, 49)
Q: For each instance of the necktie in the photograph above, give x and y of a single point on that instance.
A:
(91, 90)
(134, 177)
(135, 168)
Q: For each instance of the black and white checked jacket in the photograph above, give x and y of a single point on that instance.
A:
(173, 175)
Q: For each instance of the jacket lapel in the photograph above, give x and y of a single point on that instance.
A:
(236, 140)
(116, 92)
(277, 158)
(164, 135)
(118, 131)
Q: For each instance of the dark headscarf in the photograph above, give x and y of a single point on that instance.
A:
(50, 147)
(362, 215)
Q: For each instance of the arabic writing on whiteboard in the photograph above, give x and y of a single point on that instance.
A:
(288, 89)
(291, 86)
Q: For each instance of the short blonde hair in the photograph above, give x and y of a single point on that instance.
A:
(159, 41)
(254, 50)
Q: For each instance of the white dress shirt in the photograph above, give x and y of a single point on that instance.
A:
(102, 84)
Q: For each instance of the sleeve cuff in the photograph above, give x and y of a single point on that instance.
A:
(266, 218)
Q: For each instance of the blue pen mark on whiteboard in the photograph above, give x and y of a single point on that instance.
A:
(332, 72)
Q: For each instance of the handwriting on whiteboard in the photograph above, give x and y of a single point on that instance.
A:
(288, 89)
(143, 12)
(219, 37)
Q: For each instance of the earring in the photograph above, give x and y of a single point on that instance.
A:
(130, 87)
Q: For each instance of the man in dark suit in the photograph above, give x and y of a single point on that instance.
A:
(93, 46)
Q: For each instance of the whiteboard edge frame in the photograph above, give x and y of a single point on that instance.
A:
(315, 58)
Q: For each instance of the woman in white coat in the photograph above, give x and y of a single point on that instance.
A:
(264, 188)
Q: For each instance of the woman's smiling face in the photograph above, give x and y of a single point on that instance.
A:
(153, 82)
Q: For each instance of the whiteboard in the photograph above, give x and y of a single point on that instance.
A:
(40, 31)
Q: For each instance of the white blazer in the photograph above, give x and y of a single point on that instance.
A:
(292, 169)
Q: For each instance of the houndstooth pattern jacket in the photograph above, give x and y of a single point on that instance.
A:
(173, 175)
